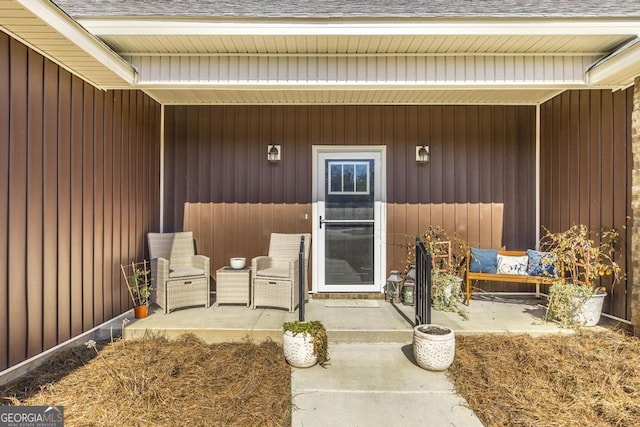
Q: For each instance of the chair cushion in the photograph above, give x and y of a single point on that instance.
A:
(185, 271)
(274, 272)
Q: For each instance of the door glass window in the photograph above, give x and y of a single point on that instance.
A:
(349, 177)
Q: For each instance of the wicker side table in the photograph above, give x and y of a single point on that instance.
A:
(233, 286)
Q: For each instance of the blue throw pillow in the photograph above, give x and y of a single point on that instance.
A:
(541, 264)
(483, 260)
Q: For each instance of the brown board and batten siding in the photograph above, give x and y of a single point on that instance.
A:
(479, 181)
(79, 189)
(586, 170)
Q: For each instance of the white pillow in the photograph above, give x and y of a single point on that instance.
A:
(512, 264)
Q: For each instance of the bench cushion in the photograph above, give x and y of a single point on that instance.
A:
(512, 264)
(541, 264)
(483, 260)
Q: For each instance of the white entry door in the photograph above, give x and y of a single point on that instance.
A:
(349, 219)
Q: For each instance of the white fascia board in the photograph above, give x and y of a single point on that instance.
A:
(312, 85)
(172, 26)
(62, 23)
(625, 62)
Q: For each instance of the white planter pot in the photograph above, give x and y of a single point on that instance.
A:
(587, 313)
(434, 347)
(449, 290)
(298, 350)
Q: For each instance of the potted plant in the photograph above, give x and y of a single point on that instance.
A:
(305, 343)
(448, 254)
(137, 278)
(446, 293)
(434, 347)
(586, 264)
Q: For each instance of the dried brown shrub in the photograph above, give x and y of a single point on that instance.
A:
(155, 381)
(590, 378)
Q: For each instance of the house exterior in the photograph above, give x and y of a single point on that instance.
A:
(121, 118)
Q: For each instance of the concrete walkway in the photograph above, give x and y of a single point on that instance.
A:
(375, 385)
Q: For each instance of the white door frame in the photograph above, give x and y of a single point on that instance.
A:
(380, 234)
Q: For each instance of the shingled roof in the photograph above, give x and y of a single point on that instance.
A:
(316, 9)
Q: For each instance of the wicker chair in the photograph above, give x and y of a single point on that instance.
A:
(180, 278)
(275, 277)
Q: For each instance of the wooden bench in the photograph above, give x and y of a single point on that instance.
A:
(512, 278)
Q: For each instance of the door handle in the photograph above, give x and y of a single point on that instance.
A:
(346, 221)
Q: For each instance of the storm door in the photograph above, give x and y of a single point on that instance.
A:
(348, 220)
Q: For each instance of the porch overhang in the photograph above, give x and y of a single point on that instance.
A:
(359, 60)
(619, 68)
(511, 27)
(323, 95)
(359, 78)
(44, 27)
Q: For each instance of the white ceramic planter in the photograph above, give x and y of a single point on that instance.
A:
(448, 291)
(588, 313)
(434, 347)
(298, 350)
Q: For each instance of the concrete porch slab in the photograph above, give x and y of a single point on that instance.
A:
(386, 323)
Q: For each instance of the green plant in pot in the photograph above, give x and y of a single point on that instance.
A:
(305, 343)
(137, 278)
(587, 265)
(446, 293)
(448, 254)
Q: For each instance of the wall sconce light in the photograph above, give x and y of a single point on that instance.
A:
(273, 153)
(422, 153)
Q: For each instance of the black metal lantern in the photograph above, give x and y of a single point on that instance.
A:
(422, 153)
(273, 153)
(408, 292)
(392, 288)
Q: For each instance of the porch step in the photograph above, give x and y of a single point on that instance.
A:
(362, 323)
(343, 295)
(212, 335)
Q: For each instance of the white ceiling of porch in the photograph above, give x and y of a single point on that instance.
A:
(268, 62)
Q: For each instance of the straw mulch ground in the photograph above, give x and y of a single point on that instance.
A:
(590, 378)
(587, 379)
(156, 382)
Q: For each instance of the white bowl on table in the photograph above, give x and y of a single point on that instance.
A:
(238, 263)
